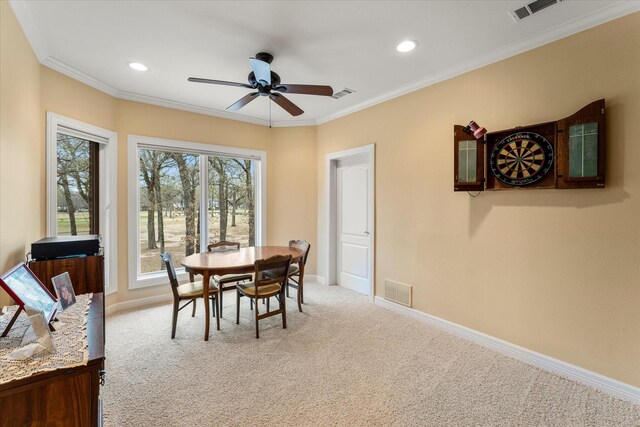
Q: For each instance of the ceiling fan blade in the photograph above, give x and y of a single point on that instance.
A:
(242, 102)
(262, 71)
(305, 89)
(218, 82)
(289, 106)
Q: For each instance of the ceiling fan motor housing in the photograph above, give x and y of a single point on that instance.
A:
(268, 85)
(265, 57)
(275, 81)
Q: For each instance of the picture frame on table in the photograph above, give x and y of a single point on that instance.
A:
(64, 290)
(26, 289)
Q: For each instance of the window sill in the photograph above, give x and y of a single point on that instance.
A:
(156, 279)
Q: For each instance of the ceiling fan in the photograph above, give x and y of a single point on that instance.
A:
(267, 83)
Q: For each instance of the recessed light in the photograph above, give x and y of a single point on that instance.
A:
(406, 46)
(138, 66)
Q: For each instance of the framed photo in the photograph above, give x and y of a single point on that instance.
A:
(27, 290)
(64, 290)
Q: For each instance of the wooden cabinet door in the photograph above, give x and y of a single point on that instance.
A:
(581, 148)
(468, 161)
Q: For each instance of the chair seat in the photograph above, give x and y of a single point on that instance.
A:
(293, 269)
(230, 278)
(264, 290)
(194, 289)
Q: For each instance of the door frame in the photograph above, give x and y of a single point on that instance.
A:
(330, 197)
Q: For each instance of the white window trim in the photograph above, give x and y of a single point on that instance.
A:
(134, 142)
(108, 184)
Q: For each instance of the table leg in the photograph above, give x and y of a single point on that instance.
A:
(205, 288)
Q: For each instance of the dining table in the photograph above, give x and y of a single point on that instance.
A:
(235, 261)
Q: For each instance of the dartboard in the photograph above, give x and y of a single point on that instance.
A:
(521, 158)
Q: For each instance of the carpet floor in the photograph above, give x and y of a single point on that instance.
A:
(343, 362)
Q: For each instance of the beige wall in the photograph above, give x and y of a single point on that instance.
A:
(293, 202)
(21, 148)
(555, 271)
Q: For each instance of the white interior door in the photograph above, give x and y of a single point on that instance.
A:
(354, 220)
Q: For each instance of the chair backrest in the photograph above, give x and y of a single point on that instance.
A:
(301, 245)
(222, 246)
(171, 272)
(277, 267)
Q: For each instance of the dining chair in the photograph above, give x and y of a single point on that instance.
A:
(294, 270)
(228, 281)
(188, 291)
(266, 286)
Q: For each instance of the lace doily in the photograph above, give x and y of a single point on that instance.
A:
(70, 338)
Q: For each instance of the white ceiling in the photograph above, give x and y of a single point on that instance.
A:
(344, 44)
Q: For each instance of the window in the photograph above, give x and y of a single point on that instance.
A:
(81, 185)
(77, 170)
(174, 211)
(231, 200)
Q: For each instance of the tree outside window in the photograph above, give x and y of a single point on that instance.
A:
(76, 186)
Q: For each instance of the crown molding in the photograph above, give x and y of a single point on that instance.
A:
(167, 103)
(607, 13)
(21, 11)
(161, 102)
(68, 70)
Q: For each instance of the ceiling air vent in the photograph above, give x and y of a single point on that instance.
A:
(343, 92)
(531, 8)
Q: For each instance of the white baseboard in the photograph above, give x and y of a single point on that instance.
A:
(319, 279)
(567, 370)
(138, 303)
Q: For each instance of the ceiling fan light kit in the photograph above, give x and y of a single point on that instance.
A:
(267, 83)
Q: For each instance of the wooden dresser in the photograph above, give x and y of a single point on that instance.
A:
(64, 397)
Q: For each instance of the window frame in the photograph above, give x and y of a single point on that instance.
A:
(107, 185)
(139, 280)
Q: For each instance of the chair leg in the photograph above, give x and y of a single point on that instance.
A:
(214, 302)
(300, 298)
(287, 287)
(268, 299)
(193, 312)
(220, 296)
(257, 328)
(175, 319)
(237, 308)
(301, 290)
(284, 311)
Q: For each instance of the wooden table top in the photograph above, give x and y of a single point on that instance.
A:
(236, 261)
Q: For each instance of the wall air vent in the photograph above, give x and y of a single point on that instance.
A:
(398, 292)
(531, 8)
(343, 92)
